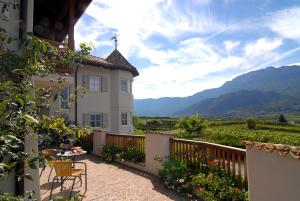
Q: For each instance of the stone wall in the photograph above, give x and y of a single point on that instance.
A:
(157, 150)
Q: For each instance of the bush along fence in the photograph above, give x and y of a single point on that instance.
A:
(196, 169)
(124, 147)
(157, 125)
(196, 154)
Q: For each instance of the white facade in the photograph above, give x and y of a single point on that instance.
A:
(107, 100)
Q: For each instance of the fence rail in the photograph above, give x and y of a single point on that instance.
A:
(133, 142)
(231, 159)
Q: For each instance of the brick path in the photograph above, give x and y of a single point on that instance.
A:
(108, 182)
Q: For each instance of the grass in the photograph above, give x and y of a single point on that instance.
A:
(138, 132)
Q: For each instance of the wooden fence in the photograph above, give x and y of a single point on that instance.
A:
(122, 140)
(133, 143)
(192, 153)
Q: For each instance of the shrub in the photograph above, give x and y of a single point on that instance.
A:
(192, 125)
(282, 119)
(136, 121)
(129, 154)
(251, 123)
(174, 173)
(210, 183)
(112, 153)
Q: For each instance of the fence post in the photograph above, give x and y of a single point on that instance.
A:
(99, 141)
(157, 150)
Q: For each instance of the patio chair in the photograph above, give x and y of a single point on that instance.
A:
(49, 154)
(64, 171)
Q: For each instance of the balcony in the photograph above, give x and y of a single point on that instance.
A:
(55, 81)
(60, 68)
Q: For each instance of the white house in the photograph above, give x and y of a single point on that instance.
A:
(108, 102)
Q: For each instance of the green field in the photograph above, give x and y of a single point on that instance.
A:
(289, 116)
(233, 135)
(232, 132)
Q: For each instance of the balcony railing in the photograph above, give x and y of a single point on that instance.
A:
(134, 142)
(231, 159)
(131, 147)
(56, 43)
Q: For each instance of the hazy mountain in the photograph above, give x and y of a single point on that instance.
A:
(240, 103)
(281, 86)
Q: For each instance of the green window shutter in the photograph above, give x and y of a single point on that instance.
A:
(86, 119)
(104, 84)
(105, 120)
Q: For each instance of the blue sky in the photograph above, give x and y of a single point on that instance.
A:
(183, 47)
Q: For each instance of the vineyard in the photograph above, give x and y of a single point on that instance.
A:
(233, 135)
(232, 132)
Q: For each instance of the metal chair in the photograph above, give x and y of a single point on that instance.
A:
(64, 171)
(48, 154)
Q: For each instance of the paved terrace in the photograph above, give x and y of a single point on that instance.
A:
(111, 182)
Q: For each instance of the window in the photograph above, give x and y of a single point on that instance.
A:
(64, 98)
(95, 120)
(124, 119)
(94, 83)
(124, 85)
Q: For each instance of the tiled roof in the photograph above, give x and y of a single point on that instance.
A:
(96, 60)
(282, 149)
(115, 61)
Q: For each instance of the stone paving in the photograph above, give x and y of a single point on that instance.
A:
(111, 182)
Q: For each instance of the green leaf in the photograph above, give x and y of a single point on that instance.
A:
(20, 101)
(30, 118)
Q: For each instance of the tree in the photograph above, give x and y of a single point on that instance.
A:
(282, 119)
(251, 123)
(192, 125)
(20, 106)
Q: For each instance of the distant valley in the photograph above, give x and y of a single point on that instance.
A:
(261, 92)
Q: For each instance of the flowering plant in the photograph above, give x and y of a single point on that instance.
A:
(212, 162)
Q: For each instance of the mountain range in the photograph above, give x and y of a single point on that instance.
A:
(259, 92)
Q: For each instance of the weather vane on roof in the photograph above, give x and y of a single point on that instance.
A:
(115, 38)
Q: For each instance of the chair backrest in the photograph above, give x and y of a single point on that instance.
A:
(47, 152)
(62, 168)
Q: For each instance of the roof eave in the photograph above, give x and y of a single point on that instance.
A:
(134, 71)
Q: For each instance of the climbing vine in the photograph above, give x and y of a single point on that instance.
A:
(21, 103)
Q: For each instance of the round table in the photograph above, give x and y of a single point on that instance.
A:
(70, 154)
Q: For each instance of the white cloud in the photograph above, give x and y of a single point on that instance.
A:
(201, 2)
(261, 46)
(229, 45)
(279, 57)
(136, 20)
(294, 64)
(181, 69)
(178, 69)
(285, 22)
(89, 33)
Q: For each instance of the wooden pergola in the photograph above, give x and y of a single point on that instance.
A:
(55, 19)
